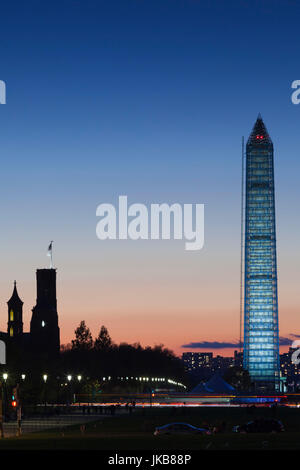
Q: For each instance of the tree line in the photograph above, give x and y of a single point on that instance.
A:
(102, 357)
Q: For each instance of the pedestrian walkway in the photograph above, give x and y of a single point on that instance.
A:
(41, 424)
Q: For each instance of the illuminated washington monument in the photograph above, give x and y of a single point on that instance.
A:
(261, 341)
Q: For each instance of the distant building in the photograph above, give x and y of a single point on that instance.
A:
(238, 359)
(194, 361)
(43, 340)
(204, 364)
(290, 371)
(220, 363)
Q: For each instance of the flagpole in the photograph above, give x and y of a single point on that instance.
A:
(51, 257)
(50, 254)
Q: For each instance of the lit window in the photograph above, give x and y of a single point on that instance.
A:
(11, 332)
(11, 315)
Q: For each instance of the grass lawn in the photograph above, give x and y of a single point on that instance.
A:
(135, 432)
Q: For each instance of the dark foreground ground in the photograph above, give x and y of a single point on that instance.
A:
(135, 432)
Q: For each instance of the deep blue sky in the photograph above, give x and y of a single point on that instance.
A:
(149, 99)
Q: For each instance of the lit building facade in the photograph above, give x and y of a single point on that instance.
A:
(290, 371)
(197, 360)
(261, 341)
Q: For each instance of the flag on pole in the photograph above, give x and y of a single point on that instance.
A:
(49, 253)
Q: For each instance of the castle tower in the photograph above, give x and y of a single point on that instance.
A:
(44, 329)
(261, 342)
(15, 315)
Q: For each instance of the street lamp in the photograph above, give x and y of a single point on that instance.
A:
(45, 377)
(23, 376)
(79, 377)
(69, 377)
(5, 377)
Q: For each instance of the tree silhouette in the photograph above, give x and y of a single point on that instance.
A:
(83, 338)
(103, 341)
(103, 358)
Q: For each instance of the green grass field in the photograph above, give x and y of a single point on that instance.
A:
(135, 432)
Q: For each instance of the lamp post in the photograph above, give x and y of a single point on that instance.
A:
(21, 393)
(69, 377)
(5, 377)
(17, 396)
(45, 377)
(79, 377)
(3, 396)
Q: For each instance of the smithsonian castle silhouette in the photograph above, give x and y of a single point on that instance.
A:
(43, 339)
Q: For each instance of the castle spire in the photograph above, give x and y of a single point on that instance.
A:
(15, 296)
(15, 315)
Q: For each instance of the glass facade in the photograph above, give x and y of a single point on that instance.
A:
(261, 342)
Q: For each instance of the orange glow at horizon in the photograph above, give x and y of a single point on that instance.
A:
(167, 297)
